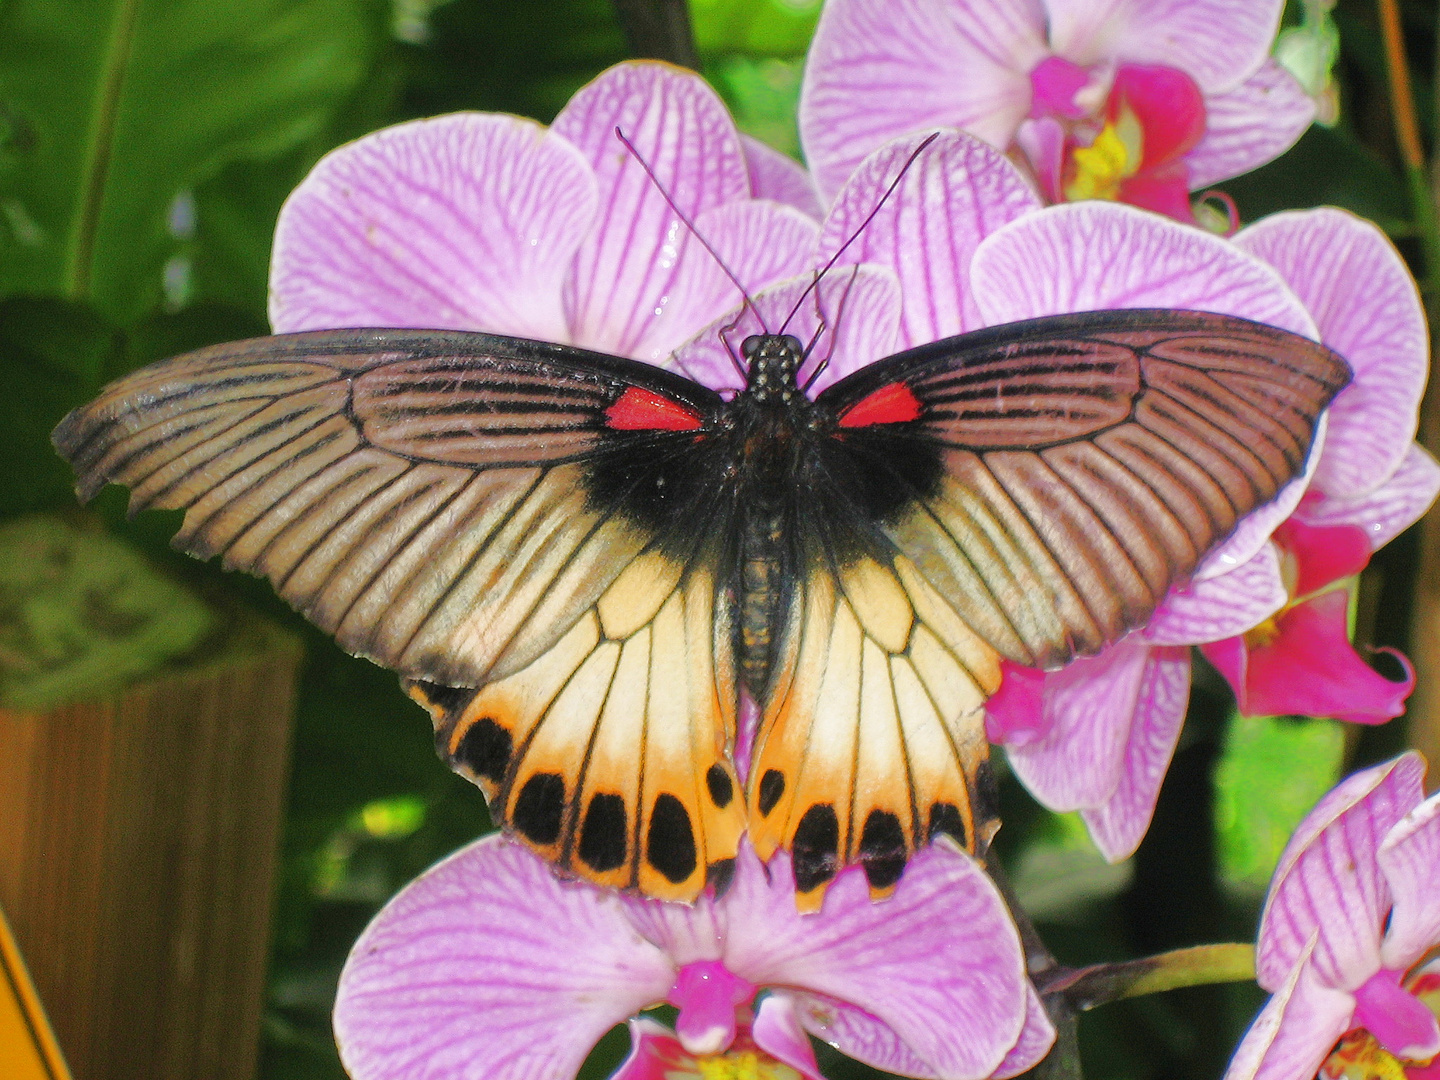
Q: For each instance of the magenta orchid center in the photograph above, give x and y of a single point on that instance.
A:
(1126, 141)
(1394, 1019)
(708, 994)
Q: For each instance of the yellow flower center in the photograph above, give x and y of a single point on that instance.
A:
(1114, 156)
(743, 1065)
(1263, 634)
(1359, 1057)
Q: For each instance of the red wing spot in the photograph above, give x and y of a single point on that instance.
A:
(639, 409)
(893, 403)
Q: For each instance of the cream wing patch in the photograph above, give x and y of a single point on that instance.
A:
(874, 736)
(609, 754)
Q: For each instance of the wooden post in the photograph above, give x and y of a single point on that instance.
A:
(139, 828)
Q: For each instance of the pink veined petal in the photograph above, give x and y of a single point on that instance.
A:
(858, 1034)
(761, 242)
(1222, 606)
(1255, 527)
(1119, 824)
(1328, 882)
(1410, 860)
(1046, 263)
(880, 69)
(1015, 714)
(1042, 141)
(778, 1032)
(625, 269)
(1294, 1033)
(1311, 669)
(780, 177)
(488, 967)
(1218, 43)
(1090, 706)
(1249, 125)
(1366, 305)
(860, 310)
(655, 1053)
(955, 194)
(1388, 510)
(1036, 1039)
(1398, 1019)
(462, 222)
(1323, 553)
(939, 963)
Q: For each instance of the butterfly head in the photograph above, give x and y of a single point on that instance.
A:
(774, 366)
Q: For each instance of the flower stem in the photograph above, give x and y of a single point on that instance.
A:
(1412, 151)
(659, 30)
(1200, 965)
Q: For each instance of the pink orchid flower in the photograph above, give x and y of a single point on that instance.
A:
(489, 966)
(1143, 101)
(480, 221)
(1352, 915)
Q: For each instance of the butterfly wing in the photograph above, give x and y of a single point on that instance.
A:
(1028, 492)
(472, 511)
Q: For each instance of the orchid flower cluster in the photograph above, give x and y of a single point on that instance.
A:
(1070, 137)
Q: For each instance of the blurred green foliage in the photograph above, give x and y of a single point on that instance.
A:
(145, 149)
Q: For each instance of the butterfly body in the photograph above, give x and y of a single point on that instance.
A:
(581, 565)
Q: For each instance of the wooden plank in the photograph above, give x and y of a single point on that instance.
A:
(139, 835)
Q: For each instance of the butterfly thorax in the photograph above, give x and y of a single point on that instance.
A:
(772, 418)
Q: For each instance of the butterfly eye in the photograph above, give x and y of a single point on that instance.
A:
(750, 346)
(793, 344)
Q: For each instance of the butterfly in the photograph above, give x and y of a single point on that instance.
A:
(583, 566)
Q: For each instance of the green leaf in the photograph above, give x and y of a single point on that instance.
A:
(757, 28)
(1272, 771)
(110, 109)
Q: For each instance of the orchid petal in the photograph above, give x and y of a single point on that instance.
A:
(1328, 882)
(1368, 310)
(1255, 527)
(463, 973)
(463, 222)
(655, 1053)
(1090, 704)
(1036, 1039)
(777, 1031)
(1398, 1019)
(1250, 124)
(1015, 714)
(780, 177)
(625, 270)
(1118, 825)
(1218, 43)
(1410, 860)
(955, 194)
(1322, 554)
(1294, 1033)
(878, 70)
(761, 243)
(860, 1035)
(1092, 255)
(1310, 668)
(860, 307)
(1390, 509)
(939, 963)
(1222, 606)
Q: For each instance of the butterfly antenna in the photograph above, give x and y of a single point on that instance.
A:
(839, 311)
(689, 224)
(856, 234)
